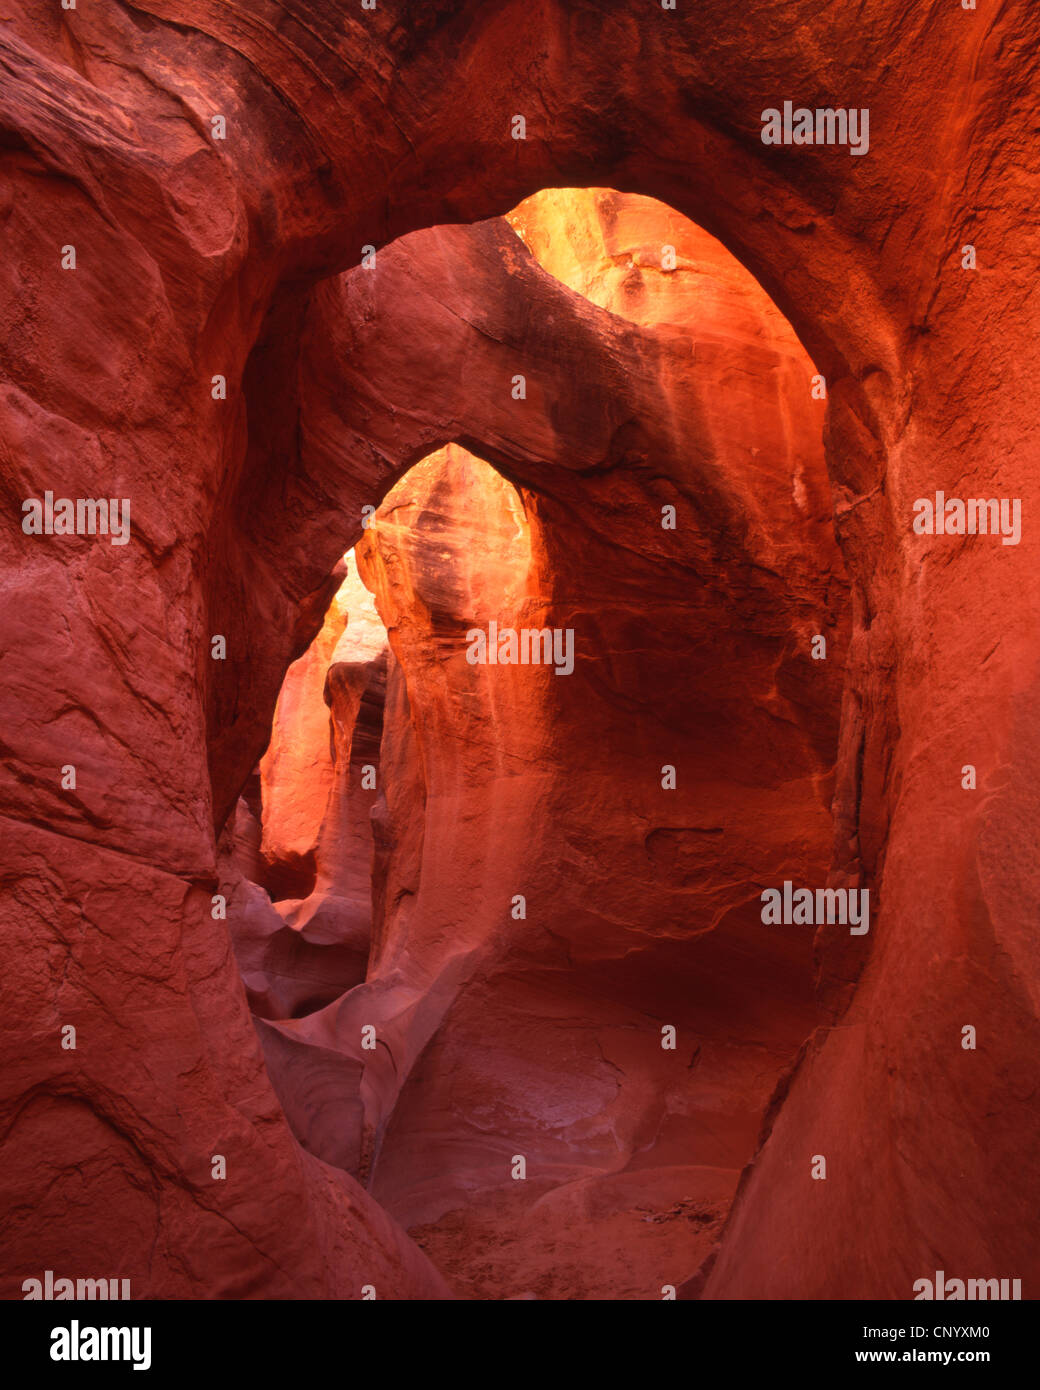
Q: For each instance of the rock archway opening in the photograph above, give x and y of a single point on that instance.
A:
(499, 873)
(202, 347)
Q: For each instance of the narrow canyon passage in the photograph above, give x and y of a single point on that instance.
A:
(515, 976)
(342, 344)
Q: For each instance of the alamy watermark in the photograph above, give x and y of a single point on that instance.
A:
(80, 516)
(83, 1289)
(806, 907)
(825, 125)
(946, 1290)
(80, 1343)
(530, 646)
(977, 516)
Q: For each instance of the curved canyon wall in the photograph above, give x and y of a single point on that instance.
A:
(214, 351)
(569, 965)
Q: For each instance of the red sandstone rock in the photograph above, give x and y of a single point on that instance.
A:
(297, 769)
(196, 258)
(542, 1036)
(317, 789)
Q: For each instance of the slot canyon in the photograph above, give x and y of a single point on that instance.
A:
(521, 579)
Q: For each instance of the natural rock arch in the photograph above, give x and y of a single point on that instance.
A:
(715, 415)
(345, 131)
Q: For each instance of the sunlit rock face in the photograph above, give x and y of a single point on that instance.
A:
(297, 769)
(641, 904)
(328, 715)
(569, 965)
(317, 788)
(643, 260)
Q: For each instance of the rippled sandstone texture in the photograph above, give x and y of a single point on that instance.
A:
(197, 257)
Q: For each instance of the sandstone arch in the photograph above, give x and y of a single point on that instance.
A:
(386, 387)
(194, 261)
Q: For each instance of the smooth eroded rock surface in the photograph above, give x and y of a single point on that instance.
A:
(200, 260)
